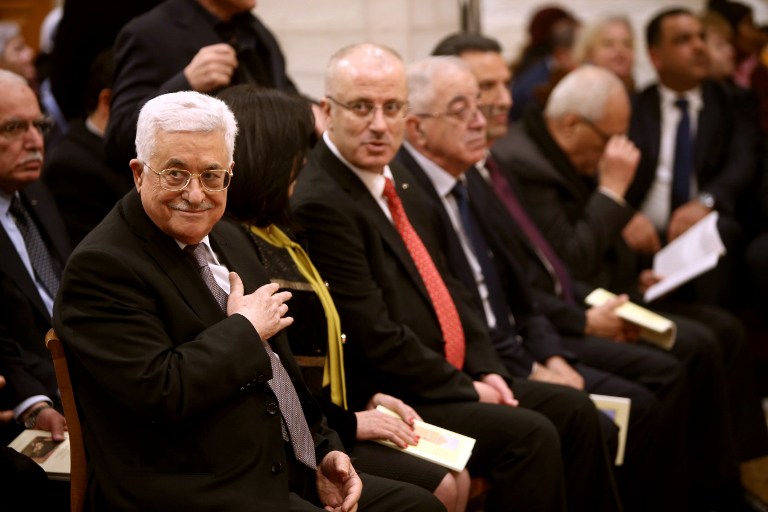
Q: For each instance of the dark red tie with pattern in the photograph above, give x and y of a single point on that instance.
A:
(445, 309)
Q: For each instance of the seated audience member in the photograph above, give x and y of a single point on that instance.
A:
(718, 37)
(412, 332)
(34, 248)
(195, 344)
(272, 141)
(202, 45)
(15, 54)
(609, 43)
(545, 59)
(699, 148)
(574, 165)
(85, 186)
(438, 151)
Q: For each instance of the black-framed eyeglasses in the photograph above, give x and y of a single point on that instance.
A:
(175, 180)
(462, 114)
(365, 109)
(599, 131)
(18, 127)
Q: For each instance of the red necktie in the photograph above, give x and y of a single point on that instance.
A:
(445, 309)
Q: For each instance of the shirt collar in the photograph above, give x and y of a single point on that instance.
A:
(372, 181)
(5, 201)
(668, 97)
(440, 178)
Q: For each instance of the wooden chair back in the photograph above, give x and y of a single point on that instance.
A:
(78, 477)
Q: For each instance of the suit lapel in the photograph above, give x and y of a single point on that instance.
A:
(169, 257)
(707, 127)
(360, 195)
(14, 269)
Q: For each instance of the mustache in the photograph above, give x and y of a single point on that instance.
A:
(185, 206)
(32, 156)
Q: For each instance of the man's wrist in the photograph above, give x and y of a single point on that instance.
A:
(29, 418)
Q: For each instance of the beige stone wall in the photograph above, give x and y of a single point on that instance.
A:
(309, 31)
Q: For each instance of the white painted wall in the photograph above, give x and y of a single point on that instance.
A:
(309, 31)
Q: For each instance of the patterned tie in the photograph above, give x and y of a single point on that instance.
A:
(546, 253)
(198, 253)
(45, 268)
(445, 309)
(297, 431)
(683, 164)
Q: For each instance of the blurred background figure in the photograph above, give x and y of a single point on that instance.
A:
(609, 43)
(545, 59)
(15, 54)
(718, 36)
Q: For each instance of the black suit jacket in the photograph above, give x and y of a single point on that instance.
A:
(533, 336)
(726, 150)
(24, 319)
(151, 52)
(394, 343)
(85, 186)
(173, 394)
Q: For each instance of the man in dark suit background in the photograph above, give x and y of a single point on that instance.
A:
(699, 150)
(200, 45)
(31, 234)
(34, 246)
(184, 382)
(351, 202)
(86, 187)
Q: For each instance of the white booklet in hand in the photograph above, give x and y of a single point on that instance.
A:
(52, 456)
(654, 328)
(617, 408)
(438, 445)
(689, 255)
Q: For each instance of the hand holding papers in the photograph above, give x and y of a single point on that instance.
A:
(52, 456)
(436, 444)
(653, 328)
(689, 255)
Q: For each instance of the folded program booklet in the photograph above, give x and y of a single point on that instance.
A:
(436, 444)
(617, 408)
(654, 328)
(52, 456)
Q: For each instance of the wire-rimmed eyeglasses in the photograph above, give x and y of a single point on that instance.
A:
(175, 180)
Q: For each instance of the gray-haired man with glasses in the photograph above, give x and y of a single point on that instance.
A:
(190, 394)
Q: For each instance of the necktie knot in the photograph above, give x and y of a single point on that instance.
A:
(682, 104)
(459, 192)
(197, 252)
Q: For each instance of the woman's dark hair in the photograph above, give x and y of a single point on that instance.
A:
(272, 142)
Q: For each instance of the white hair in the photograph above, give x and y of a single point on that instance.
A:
(588, 36)
(421, 75)
(185, 111)
(8, 77)
(583, 91)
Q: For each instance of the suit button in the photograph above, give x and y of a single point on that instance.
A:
(276, 468)
(261, 379)
(272, 408)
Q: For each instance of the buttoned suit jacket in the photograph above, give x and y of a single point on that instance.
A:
(582, 225)
(533, 335)
(151, 52)
(394, 342)
(726, 145)
(176, 409)
(24, 320)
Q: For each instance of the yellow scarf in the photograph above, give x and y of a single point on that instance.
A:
(333, 373)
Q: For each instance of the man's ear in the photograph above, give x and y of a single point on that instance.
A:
(414, 131)
(138, 173)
